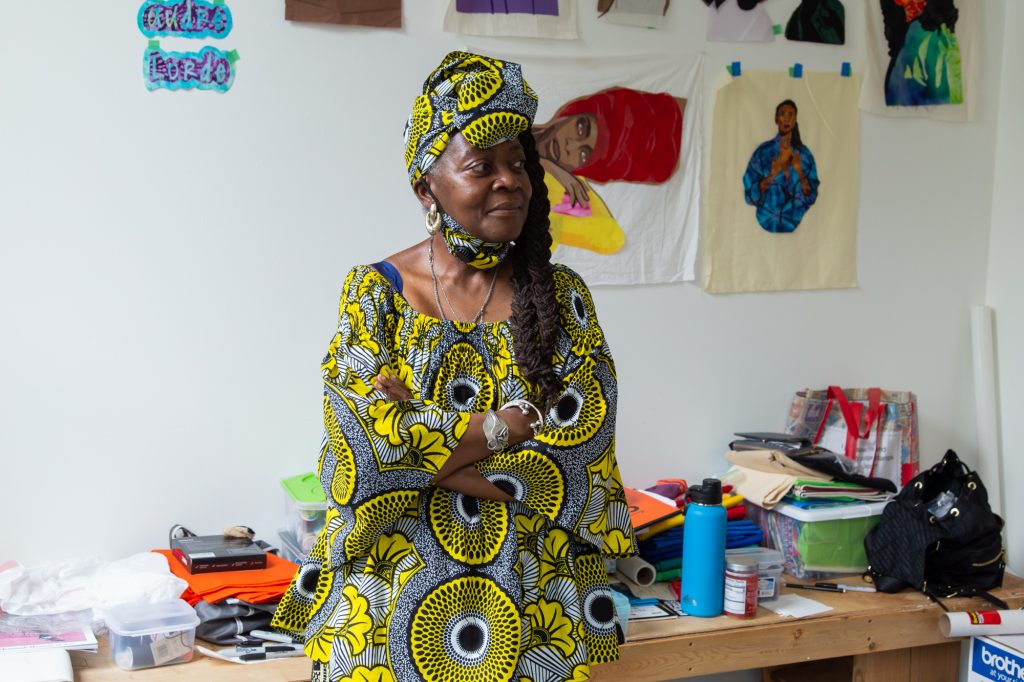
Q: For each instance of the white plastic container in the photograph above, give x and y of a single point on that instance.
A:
(151, 635)
(819, 543)
(769, 569)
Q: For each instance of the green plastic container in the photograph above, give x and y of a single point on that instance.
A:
(306, 508)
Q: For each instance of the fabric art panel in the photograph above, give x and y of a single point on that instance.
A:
(620, 142)
(782, 210)
(922, 58)
(738, 21)
(523, 18)
(818, 21)
(371, 13)
(207, 69)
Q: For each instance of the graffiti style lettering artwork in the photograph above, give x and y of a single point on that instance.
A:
(184, 18)
(207, 69)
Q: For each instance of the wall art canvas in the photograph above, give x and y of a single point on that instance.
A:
(782, 205)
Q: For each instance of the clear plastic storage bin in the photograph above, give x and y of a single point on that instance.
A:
(150, 635)
(769, 569)
(306, 507)
(819, 543)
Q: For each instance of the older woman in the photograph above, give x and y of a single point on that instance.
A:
(469, 406)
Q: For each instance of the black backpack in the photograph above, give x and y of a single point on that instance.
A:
(939, 536)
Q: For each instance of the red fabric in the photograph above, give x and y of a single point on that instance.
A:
(737, 512)
(639, 135)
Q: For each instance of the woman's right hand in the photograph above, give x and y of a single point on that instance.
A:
(391, 386)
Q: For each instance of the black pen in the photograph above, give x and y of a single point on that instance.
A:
(820, 588)
(848, 588)
(267, 657)
(267, 649)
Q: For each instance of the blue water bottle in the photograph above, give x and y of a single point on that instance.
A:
(703, 577)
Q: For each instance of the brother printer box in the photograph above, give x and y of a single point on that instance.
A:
(996, 659)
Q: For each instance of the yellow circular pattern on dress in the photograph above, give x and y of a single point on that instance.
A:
(472, 541)
(463, 383)
(487, 130)
(537, 473)
(468, 604)
(576, 418)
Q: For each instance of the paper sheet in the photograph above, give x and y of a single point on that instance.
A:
(796, 606)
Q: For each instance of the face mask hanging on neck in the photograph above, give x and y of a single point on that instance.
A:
(471, 250)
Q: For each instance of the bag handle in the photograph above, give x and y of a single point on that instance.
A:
(852, 413)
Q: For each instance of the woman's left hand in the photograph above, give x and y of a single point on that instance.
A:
(391, 386)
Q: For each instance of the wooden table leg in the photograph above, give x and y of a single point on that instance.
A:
(936, 663)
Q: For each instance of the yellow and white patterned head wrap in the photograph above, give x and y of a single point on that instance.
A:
(485, 99)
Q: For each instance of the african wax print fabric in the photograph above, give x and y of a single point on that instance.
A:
(410, 581)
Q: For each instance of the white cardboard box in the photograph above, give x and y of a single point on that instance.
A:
(996, 659)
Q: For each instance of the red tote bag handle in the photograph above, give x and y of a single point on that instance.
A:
(852, 416)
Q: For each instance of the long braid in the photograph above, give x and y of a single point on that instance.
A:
(535, 320)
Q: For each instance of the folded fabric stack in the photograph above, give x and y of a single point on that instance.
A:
(664, 549)
(805, 492)
(258, 586)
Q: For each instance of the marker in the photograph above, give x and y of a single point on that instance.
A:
(272, 636)
(268, 657)
(276, 648)
(848, 588)
(820, 588)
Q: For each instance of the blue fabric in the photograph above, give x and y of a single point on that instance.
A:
(782, 206)
(390, 273)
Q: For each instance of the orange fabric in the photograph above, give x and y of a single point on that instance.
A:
(256, 586)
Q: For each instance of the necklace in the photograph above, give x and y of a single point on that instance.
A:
(437, 285)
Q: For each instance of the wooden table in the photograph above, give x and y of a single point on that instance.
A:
(890, 637)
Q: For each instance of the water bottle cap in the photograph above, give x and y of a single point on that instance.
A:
(709, 492)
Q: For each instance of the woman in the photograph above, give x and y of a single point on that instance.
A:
(469, 407)
(781, 178)
(924, 68)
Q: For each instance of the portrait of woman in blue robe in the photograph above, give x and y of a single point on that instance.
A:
(781, 178)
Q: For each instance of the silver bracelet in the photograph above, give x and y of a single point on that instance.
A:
(495, 431)
(526, 406)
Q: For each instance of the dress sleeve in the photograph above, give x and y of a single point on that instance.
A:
(376, 453)
(570, 472)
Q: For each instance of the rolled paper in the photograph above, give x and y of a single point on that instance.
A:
(637, 570)
(982, 623)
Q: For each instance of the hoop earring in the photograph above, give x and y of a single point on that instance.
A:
(433, 220)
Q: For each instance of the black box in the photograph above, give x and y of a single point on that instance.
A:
(213, 553)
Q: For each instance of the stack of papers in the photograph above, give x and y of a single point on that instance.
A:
(71, 630)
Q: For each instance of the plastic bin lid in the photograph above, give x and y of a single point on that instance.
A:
(146, 619)
(845, 511)
(305, 491)
(767, 558)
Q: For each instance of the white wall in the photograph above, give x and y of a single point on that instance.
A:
(170, 266)
(1006, 281)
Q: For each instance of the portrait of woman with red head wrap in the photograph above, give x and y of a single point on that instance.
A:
(615, 135)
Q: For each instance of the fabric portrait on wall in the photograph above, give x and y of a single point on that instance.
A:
(922, 58)
(818, 21)
(643, 13)
(782, 210)
(620, 142)
(523, 18)
(376, 13)
(738, 21)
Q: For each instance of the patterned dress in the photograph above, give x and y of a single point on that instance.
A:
(409, 581)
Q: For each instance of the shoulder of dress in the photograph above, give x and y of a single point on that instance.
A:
(566, 276)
